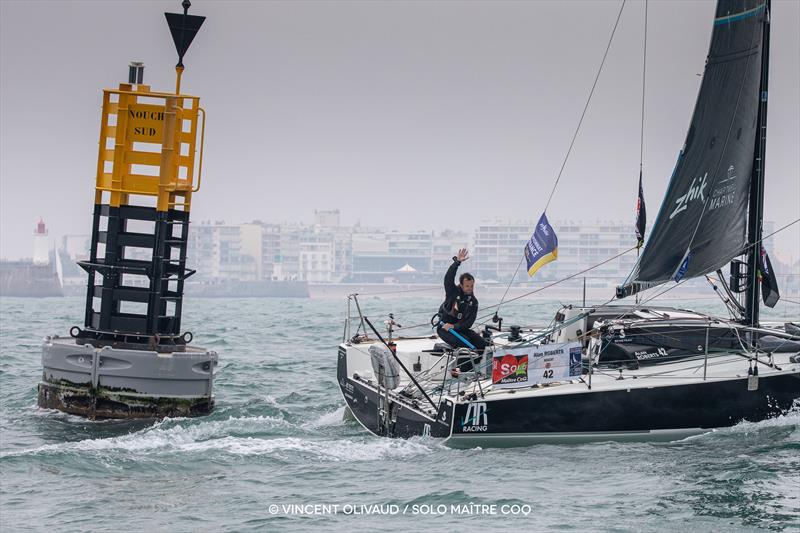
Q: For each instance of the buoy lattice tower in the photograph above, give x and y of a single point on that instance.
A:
(147, 156)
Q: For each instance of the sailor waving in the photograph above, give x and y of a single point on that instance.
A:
(459, 309)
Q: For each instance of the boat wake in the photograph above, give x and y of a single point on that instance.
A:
(789, 420)
(272, 437)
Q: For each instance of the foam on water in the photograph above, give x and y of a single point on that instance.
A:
(789, 419)
(369, 449)
(334, 418)
(235, 436)
(171, 434)
(348, 450)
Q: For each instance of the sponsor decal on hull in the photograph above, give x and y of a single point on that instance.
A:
(476, 418)
(644, 354)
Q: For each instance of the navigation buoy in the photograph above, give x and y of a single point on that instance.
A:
(130, 359)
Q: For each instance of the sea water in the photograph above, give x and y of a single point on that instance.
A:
(277, 454)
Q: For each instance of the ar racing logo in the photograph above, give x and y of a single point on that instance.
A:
(696, 190)
(476, 418)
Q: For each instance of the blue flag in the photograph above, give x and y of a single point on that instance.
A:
(683, 267)
(543, 246)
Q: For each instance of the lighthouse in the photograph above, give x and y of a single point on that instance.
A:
(41, 248)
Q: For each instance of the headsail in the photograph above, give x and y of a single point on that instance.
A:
(702, 223)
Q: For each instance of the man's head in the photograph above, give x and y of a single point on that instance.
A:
(467, 282)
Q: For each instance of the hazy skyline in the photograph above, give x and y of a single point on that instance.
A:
(410, 115)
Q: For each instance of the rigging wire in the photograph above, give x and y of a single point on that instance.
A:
(585, 107)
(503, 298)
(398, 291)
(641, 134)
(574, 137)
(644, 72)
(571, 276)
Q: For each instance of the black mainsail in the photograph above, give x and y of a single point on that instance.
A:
(702, 222)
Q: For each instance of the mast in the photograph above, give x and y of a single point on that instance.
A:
(756, 208)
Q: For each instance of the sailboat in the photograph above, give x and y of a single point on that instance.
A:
(632, 371)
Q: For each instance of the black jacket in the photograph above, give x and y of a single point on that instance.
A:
(466, 304)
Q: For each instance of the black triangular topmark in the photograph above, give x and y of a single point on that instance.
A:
(183, 28)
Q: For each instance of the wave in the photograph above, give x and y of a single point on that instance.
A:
(236, 436)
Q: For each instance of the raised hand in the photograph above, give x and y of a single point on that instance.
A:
(463, 255)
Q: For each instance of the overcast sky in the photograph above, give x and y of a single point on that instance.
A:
(410, 115)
